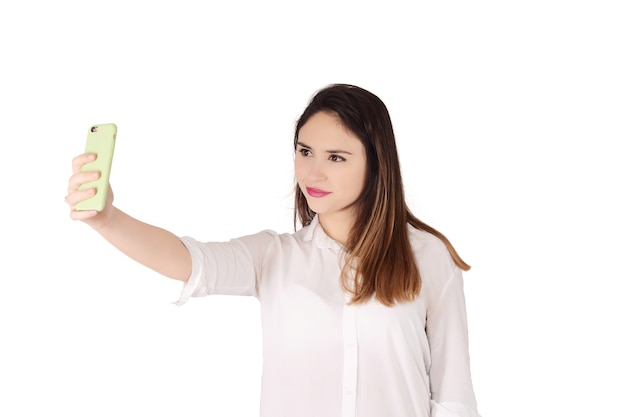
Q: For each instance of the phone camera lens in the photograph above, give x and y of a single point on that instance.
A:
(94, 128)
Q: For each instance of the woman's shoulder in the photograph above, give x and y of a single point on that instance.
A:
(423, 242)
(268, 238)
(432, 256)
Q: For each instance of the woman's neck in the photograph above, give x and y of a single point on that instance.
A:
(337, 225)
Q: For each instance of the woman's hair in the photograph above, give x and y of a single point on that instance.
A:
(378, 245)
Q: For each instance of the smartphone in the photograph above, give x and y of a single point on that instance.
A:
(100, 141)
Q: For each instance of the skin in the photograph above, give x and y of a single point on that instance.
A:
(330, 157)
(149, 245)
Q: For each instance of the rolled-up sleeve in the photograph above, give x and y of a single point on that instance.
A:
(451, 386)
(229, 268)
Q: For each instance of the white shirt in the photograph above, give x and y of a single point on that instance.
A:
(325, 358)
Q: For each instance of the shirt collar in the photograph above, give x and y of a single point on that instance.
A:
(315, 232)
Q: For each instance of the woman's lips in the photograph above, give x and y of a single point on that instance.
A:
(316, 192)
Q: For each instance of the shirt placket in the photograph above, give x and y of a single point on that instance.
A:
(350, 360)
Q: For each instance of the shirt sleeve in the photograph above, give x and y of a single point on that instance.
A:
(228, 268)
(452, 392)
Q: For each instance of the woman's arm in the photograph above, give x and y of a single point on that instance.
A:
(149, 245)
(450, 377)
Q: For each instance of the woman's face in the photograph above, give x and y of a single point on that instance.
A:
(330, 166)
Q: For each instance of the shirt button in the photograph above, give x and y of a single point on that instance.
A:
(348, 393)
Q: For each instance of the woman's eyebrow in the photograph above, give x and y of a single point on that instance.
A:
(304, 145)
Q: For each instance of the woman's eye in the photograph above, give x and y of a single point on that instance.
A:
(305, 152)
(336, 158)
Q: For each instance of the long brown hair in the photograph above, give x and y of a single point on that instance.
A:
(378, 246)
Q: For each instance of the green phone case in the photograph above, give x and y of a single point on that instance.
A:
(101, 141)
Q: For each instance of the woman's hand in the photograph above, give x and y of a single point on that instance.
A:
(93, 218)
(149, 245)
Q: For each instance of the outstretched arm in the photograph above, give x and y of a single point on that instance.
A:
(149, 245)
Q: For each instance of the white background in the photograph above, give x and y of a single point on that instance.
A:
(510, 121)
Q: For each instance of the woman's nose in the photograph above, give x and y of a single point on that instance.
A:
(316, 171)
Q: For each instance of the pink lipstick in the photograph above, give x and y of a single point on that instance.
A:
(316, 192)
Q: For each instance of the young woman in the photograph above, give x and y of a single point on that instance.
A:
(363, 308)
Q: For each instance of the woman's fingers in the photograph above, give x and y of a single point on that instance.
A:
(82, 214)
(74, 194)
(80, 160)
(79, 178)
(74, 197)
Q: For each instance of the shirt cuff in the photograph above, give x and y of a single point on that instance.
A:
(451, 409)
(195, 285)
